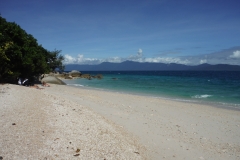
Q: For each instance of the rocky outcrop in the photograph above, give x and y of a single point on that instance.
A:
(68, 76)
(60, 75)
(75, 73)
(87, 76)
(98, 76)
(64, 76)
(52, 79)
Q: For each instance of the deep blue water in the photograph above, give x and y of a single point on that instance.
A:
(217, 87)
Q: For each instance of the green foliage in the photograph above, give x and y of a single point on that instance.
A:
(55, 60)
(4, 60)
(21, 55)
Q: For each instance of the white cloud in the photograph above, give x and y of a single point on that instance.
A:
(137, 58)
(202, 61)
(236, 54)
(114, 60)
(228, 56)
(80, 60)
(140, 52)
(69, 59)
(167, 60)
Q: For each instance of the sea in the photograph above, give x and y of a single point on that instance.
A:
(218, 88)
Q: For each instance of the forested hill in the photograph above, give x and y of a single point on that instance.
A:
(137, 66)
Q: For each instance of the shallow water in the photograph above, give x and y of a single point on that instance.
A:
(217, 87)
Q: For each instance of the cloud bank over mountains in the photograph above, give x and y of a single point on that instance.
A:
(236, 54)
(227, 56)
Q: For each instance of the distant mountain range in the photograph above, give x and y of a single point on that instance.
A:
(137, 66)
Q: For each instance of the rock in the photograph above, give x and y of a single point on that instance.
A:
(87, 76)
(53, 80)
(51, 74)
(98, 76)
(67, 76)
(60, 75)
(64, 76)
(75, 73)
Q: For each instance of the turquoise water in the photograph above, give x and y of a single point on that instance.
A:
(221, 88)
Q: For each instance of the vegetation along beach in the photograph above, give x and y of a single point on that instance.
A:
(119, 80)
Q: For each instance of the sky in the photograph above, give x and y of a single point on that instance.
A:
(190, 32)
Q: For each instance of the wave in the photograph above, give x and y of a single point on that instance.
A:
(202, 96)
(77, 85)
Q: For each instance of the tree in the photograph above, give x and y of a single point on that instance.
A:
(21, 55)
(4, 60)
(55, 60)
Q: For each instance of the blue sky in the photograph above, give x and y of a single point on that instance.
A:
(169, 31)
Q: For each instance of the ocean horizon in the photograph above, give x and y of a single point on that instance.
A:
(219, 88)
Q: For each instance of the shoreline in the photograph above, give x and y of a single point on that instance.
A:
(159, 128)
(206, 89)
(169, 129)
(223, 105)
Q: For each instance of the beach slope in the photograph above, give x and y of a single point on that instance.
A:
(168, 128)
(63, 122)
(37, 124)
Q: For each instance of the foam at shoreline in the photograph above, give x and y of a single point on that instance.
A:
(194, 99)
(213, 87)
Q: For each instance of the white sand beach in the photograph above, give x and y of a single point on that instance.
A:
(62, 122)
